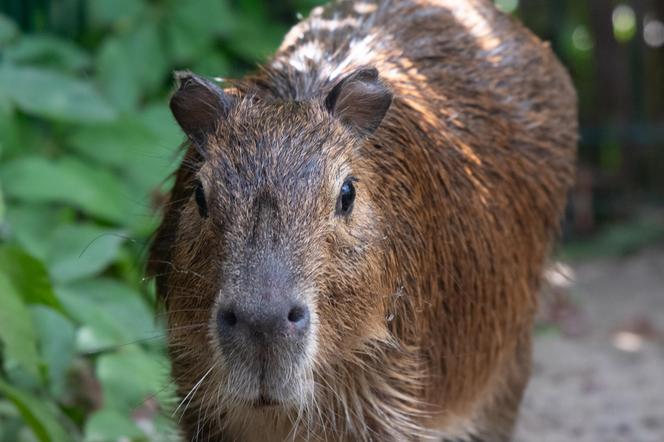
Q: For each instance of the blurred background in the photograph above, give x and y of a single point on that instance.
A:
(87, 143)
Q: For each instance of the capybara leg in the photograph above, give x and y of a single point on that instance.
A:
(501, 413)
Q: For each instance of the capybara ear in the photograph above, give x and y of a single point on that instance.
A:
(360, 100)
(198, 104)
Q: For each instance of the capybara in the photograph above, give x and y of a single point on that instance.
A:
(355, 238)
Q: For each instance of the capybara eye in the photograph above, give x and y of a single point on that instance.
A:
(199, 196)
(346, 197)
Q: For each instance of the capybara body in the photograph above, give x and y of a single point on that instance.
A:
(355, 238)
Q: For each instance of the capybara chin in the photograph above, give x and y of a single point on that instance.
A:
(354, 241)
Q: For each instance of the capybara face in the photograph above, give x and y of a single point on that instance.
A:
(277, 242)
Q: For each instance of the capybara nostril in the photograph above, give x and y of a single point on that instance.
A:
(298, 316)
(226, 324)
(273, 322)
(226, 318)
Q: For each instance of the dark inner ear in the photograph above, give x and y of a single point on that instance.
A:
(360, 100)
(198, 105)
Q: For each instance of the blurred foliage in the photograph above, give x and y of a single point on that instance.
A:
(614, 50)
(87, 142)
(616, 240)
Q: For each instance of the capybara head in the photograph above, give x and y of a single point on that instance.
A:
(275, 244)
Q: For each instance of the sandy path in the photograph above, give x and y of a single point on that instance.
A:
(599, 375)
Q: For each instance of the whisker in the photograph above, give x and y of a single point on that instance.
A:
(190, 394)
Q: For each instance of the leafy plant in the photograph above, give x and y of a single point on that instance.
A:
(86, 143)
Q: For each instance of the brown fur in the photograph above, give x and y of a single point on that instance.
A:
(424, 296)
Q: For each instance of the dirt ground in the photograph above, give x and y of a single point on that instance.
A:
(599, 354)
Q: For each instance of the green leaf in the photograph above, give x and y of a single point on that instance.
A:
(16, 331)
(130, 376)
(69, 181)
(146, 44)
(256, 41)
(2, 207)
(112, 314)
(31, 226)
(108, 424)
(81, 250)
(53, 95)
(117, 144)
(117, 13)
(6, 110)
(57, 345)
(193, 26)
(123, 80)
(158, 118)
(11, 423)
(8, 30)
(116, 76)
(18, 133)
(49, 51)
(39, 414)
(144, 156)
(8, 126)
(213, 64)
(28, 276)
